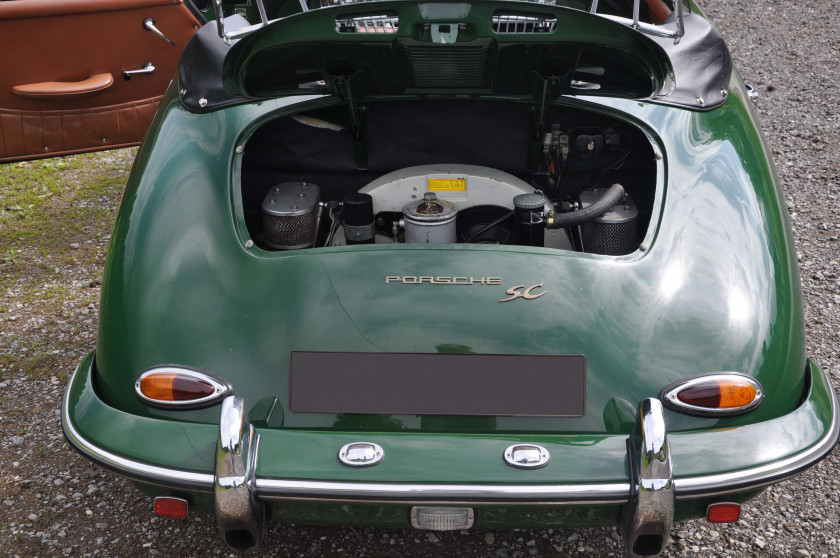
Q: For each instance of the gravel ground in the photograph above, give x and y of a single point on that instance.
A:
(53, 502)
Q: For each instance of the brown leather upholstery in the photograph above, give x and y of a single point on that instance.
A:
(69, 41)
(26, 134)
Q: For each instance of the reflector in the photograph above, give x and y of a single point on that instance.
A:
(167, 506)
(723, 512)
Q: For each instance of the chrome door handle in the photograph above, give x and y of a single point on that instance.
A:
(147, 69)
(149, 25)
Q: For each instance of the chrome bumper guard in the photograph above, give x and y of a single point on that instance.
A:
(241, 518)
(646, 519)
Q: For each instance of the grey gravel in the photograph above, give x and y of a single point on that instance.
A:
(59, 504)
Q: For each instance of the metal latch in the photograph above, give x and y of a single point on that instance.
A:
(147, 68)
(149, 24)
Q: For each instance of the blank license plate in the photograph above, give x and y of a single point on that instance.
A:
(437, 384)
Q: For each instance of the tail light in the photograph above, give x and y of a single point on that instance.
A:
(719, 394)
(175, 387)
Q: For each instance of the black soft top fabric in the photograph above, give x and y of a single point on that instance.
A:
(702, 65)
(200, 69)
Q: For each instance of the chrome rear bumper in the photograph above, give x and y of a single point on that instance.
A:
(647, 498)
(646, 516)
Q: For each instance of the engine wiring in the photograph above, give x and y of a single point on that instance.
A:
(618, 162)
(556, 154)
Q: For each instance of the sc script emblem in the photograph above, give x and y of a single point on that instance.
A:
(527, 294)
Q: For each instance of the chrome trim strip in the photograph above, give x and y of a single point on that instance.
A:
(614, 493)
(129, 467)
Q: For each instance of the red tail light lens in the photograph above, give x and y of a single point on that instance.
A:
(167, 506)
(178, 387)
(724, 512)
(724, 393)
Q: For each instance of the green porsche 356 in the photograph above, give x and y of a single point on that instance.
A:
(451, 265)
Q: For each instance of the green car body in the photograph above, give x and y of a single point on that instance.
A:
(711, 286)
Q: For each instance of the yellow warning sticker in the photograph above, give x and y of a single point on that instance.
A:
(447, 184)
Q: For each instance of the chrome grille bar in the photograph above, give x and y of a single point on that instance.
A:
(378, 24)
(511, 23)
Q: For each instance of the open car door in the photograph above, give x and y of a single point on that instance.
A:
(85, 75)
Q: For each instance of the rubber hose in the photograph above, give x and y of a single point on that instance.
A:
(613, 195)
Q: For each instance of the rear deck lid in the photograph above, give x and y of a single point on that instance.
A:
(398, 48)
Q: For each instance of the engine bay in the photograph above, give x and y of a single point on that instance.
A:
(446, 172)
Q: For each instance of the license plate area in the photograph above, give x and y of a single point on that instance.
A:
(437, 384)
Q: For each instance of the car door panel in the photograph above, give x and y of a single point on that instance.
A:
(62, 87)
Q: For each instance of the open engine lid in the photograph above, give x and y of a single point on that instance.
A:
(444, 48)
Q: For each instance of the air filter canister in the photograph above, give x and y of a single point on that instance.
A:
(290, 215)
(359, 225)
(614, 232)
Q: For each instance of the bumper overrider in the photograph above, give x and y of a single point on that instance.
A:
(661, 471)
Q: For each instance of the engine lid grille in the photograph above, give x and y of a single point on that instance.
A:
(387, 24)
(518, 23)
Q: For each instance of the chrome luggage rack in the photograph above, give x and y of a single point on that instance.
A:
(646, 28)
(634, 22)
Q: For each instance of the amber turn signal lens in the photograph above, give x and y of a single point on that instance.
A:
(171, 507)
(174, 387)
(724, 512)
(720, 394)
